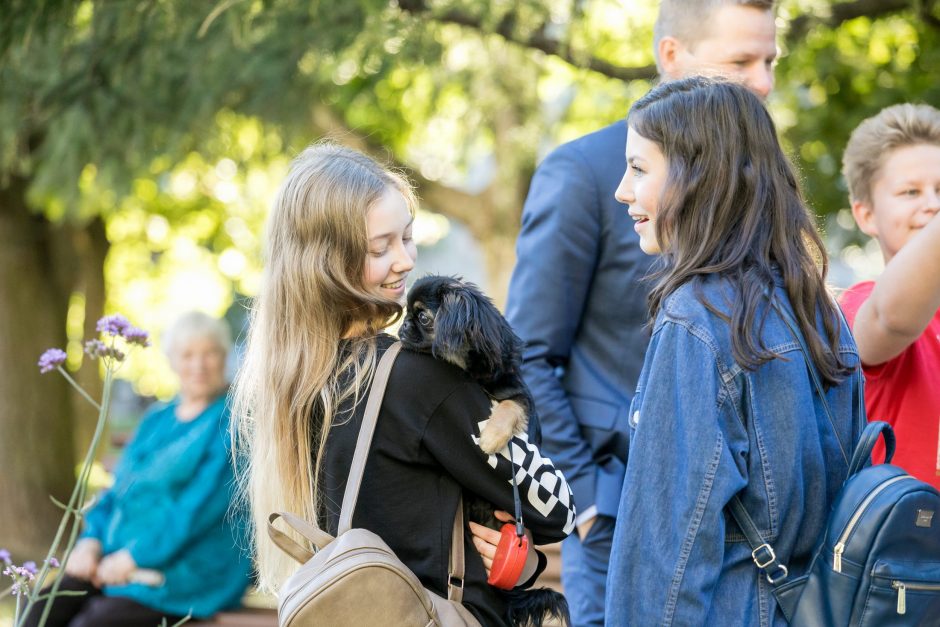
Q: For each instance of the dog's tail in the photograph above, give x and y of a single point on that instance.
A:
(530, 608)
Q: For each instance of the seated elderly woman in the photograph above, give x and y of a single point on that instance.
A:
(162, 541)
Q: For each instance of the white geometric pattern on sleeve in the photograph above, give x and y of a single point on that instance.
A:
(540, 483)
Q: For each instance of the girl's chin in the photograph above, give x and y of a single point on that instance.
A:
(650, 248)
(396, 295)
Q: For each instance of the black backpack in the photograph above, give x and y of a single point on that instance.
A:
(878, 562)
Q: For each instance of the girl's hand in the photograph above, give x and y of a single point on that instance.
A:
(83, 561)
(116, 569)
(485, 541)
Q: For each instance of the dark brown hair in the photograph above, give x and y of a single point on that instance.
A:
(731, 206)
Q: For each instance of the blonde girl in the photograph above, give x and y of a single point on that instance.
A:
(339, 249)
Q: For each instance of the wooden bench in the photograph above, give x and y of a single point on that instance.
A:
(244, 617)
(257, 610)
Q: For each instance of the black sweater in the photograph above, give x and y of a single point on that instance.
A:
(423, 453)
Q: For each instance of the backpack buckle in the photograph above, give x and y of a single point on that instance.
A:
(767, 550)
(783, 575)
(770, 559)
(456, 582)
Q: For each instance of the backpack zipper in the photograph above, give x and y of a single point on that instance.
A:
(903, 586)
(839, 548)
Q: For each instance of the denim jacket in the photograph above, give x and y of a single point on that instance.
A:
(703, 429)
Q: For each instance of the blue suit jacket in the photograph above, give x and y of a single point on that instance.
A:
(577, 300)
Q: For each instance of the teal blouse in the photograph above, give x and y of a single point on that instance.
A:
(170, 507)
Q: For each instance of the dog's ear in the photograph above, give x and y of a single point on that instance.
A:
(468, 322)
(451, 321)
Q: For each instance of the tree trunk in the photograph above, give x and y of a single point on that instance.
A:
(497, 226)
(36, 454)
(90, 246)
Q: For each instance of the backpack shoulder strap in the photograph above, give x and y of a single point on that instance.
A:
(761, 551)
(373, 404)
(794, 328)
(456, 570)
(358, 466)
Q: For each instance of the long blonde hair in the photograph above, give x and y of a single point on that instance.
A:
(288, 390)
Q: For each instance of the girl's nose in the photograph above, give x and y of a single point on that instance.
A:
(624, 191)
(404, 260)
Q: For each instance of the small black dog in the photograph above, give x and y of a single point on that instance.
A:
(454, 321)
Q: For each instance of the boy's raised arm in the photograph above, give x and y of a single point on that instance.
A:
(904, 300)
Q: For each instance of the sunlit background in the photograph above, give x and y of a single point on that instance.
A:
(141, 143)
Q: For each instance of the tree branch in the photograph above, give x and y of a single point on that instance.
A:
(456, 204)
(844, 11)
(925, 10)
(539, 40)
(839, 13)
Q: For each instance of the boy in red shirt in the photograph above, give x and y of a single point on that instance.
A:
(892, 167)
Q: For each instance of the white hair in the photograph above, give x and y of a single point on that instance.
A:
(195, 324)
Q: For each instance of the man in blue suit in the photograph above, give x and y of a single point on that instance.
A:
(576, 296)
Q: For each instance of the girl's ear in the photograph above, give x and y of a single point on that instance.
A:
(864, 215)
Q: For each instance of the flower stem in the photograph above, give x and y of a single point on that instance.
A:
(73, 509)
(78, 388)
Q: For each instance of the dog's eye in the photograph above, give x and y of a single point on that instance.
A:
(425, 318)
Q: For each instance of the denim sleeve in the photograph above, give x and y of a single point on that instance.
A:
(687, 459)
(556, 253)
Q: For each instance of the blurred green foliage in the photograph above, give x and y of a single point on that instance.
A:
(834, 78)
(175, 119)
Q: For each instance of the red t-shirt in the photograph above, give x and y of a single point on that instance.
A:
(905, 392)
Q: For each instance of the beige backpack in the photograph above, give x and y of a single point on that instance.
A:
(355, 579)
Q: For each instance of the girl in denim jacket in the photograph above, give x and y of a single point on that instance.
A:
(725, 404)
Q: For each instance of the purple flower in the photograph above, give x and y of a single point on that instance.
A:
(114, 325)
(133, 335)
(5, 556)
(53, 562)
(96, 348)
(22, 576)
(51, 359)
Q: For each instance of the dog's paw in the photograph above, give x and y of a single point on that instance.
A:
(494, 438)
(506, 419)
